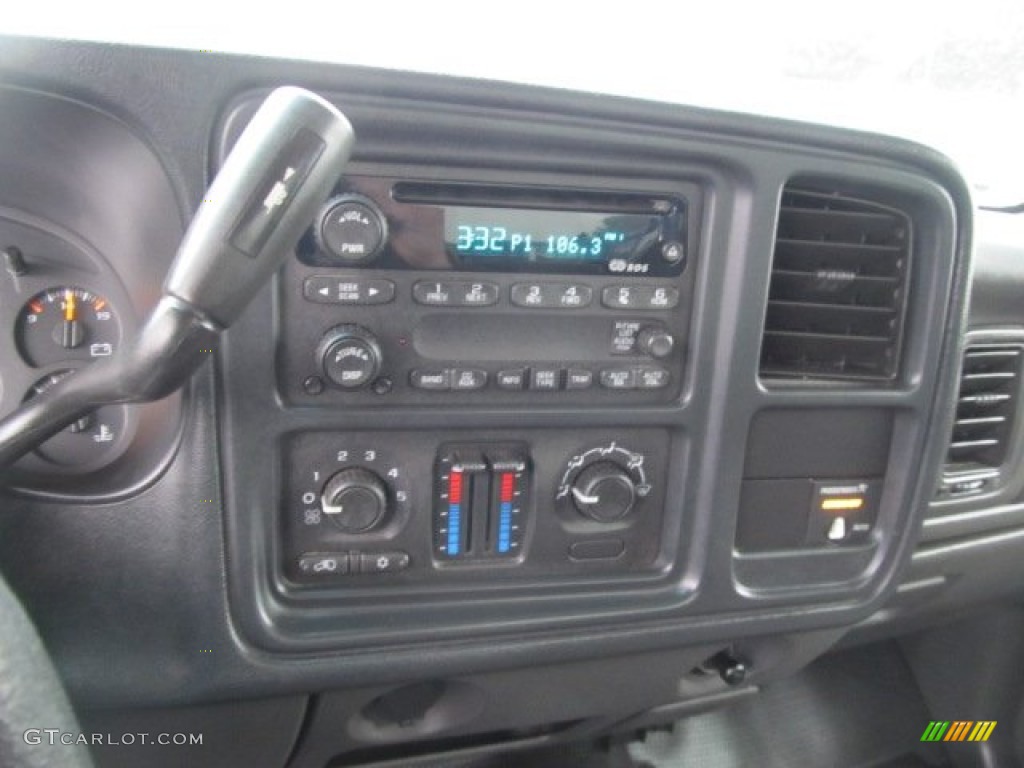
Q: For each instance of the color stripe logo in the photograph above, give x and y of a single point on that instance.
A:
(958, 730)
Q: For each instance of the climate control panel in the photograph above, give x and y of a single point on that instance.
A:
(409, 508)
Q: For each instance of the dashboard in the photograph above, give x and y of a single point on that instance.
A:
(558, 392)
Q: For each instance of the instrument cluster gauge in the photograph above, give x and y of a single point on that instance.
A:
(92, 441)
(67, 323)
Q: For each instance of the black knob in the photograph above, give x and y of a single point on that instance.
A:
(352, 229)
(355, 500)
(656, 342)
(349, 356)
(604, 491)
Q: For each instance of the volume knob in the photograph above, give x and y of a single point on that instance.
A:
(350, 356)
(352, 230)
(355, 499)
(604, 492)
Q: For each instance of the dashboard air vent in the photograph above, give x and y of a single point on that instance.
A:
(989, 387)
(838, 288)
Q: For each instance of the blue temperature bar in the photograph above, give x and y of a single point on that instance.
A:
(505, 527)
(454, 528)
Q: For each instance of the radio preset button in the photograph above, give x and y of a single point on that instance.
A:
(579, 378)
(514, 378)
(324, 289)
(476, 294)
(618, 378)
(433, 294)
(455, 294)
(552, 295)
(437, 381)
(546, 379)
(468, 378)
(620, 297)
(640, 297)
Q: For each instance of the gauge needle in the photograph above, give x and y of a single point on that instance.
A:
(70, 331)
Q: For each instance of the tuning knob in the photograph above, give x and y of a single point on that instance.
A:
(349, 356)
(355, 499)
(604, 492)
(656, 342)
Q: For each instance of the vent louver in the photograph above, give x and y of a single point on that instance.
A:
(989, 387)
(838, 288)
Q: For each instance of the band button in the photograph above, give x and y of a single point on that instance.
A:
(437, 381)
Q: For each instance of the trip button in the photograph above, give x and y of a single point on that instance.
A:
(579, 378)
(469, 378)
(618, 378)
(438, 381)
(383, 562)
(324, 289)
(546, 379)
(324, 565)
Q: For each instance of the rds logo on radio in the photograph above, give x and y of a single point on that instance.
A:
(621, 265)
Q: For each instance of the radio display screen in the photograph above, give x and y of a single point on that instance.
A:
(553, 240)
(486, 233)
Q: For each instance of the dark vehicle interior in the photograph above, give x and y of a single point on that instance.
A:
(415, 420)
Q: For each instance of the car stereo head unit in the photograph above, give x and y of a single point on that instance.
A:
(482, 228)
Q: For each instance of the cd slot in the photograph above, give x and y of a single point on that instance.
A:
(482, 195)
